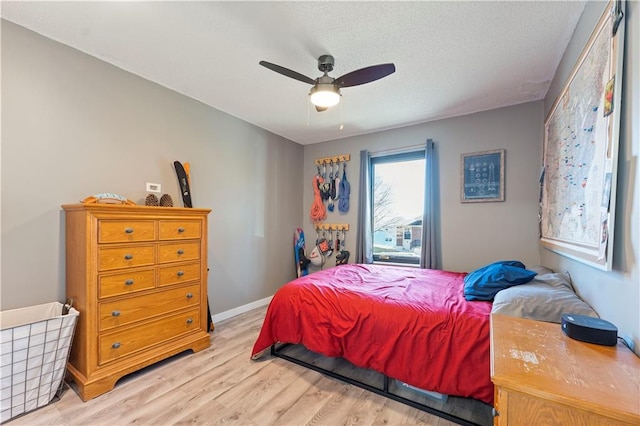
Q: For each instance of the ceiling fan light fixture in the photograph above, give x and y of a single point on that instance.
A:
(325, 90)
(325, 95)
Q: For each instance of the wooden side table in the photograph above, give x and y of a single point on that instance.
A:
(543, 377)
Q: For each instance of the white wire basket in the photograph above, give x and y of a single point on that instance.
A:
(35, 346)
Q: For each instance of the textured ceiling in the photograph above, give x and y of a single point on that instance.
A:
(451, 58)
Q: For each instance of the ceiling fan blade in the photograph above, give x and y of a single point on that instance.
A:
(287, 72)
(365, 75)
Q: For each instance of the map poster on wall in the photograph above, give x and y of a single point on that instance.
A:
(581, 149)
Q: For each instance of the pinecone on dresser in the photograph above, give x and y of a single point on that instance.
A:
(151, 200)
(166, 201)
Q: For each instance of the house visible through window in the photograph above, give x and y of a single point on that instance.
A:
(398, 205)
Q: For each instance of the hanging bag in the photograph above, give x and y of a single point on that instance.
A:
(345, 190)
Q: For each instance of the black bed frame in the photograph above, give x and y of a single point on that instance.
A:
(384, 390)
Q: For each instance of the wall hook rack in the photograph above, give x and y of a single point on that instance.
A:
(332, 226)
(335, 159)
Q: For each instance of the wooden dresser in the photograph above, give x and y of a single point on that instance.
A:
(138, 276)
(542, 377)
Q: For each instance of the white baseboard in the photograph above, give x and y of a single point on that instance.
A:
(240, 309)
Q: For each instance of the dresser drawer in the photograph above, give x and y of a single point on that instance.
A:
(129, 282)
(123, 342)
(122, 231)
(127, 311)
(179, 274)
(125, 257)
(177, 252)
(180, 229)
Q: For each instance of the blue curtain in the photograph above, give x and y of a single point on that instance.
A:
(429, 256)
(364, 234)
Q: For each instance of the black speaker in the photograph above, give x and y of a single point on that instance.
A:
(590, 329)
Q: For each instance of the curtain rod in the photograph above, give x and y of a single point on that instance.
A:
(398, 150)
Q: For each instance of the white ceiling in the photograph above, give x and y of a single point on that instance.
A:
(451, 58)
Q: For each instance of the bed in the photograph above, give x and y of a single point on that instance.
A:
(413, 325)
(410, 324)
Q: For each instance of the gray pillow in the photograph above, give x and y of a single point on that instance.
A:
(545, 298)
(541, 270)
(554, 279)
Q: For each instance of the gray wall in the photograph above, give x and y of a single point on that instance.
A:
(74, 126)
(614, 295)
(471, 234)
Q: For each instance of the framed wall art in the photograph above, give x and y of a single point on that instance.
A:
(482, 176)
(578, 182)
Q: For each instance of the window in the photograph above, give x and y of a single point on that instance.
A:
(397, 196)
(413, 178)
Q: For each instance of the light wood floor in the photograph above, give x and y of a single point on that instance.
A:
(222, 385)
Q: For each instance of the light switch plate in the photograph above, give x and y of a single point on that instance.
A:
(154, 187)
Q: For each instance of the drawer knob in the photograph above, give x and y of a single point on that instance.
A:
(181, 230)
(128, 256)
(189, 295)
(115, 313)
(189, 321)
(180, 273)
(180, 251)
(116, 345)
(128, 282)
(128, 230)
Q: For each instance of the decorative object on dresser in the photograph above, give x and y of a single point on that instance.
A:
(107, 198)
(543, 377)
(151, 200)
(138, 277)
(166, 201)
(183, 181)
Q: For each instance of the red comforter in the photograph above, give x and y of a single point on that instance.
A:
(413, 325)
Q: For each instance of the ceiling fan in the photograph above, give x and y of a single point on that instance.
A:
(325, 92)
